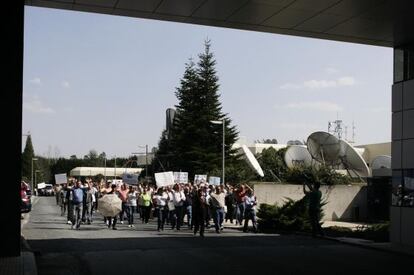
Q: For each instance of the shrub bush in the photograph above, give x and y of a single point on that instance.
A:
(291, 216)
(324, 175)
(374, 232)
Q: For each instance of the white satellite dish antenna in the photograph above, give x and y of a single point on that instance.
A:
(297, 156)
(252, 161)
(353, 161)
(381, 162)
(325, 148)
(381, 166)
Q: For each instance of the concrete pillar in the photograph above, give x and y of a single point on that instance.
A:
(11, 126)
(402, 209)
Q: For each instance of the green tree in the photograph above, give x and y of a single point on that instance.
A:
(27, 156)
(163, 156)
(273, 164)
(196, 143)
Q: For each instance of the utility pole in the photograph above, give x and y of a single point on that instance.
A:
(31, 182)
(146, 158)
(146, 161)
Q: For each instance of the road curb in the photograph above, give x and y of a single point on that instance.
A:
(372, 246)
(28, 258)
(29, 263)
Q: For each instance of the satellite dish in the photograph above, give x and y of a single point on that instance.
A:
(325, 148)
(360, 150)
(353, 161)
(381, 162)
(381, 166)
(297, 156)
(252, 161)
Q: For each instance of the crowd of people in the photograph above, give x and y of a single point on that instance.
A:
(193, 205)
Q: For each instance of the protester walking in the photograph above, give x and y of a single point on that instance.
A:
(314, 207)
(217, 203)
(160, 201)
(77, 204)
(199, 211)
(250, 210)
(131, 205)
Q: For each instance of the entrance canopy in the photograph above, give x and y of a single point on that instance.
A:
(106, 171)
(375, 22)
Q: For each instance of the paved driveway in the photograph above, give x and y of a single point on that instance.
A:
(97, 250)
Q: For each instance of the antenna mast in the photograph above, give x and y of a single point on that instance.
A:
(337, 131)
(353, 132)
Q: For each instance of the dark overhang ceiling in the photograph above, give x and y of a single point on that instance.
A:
(376, 22)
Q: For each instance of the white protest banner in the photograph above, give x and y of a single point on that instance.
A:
(200, 178)
(41, 185)
(60, 178)
(164, 179)
(131, 179)
(117, 182)
(181, 177)
(214, 180)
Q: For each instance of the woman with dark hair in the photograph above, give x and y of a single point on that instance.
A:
(199, 211)
(131, 205)
(146, 205)
(112, 220)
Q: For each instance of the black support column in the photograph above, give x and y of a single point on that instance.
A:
(11, 126)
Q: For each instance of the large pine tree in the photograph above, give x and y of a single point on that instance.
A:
(196, 143)
(27, 156)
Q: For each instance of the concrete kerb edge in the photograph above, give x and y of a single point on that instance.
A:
(27, 255)
(362, 245)
(29, 263)
(368, 246)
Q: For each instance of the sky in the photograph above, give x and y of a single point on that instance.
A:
(104, 82)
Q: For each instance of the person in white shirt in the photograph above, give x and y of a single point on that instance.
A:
(178, 199)
(250, 211)
(160, 201)
(132, 197)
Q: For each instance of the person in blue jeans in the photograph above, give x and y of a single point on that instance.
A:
(77, 204)
(160, 201)
(250, 211)
(188, 206)
(131, 205)
(217, 202)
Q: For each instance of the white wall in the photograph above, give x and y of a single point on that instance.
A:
(341, 198)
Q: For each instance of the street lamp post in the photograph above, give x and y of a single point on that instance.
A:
(31, 182)
(223, 162)
(115, 169)
(146, 159)
(35, 177)
(105, 170)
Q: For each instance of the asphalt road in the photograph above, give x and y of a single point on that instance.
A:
(94, 249)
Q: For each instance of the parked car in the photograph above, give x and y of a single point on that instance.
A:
(26, 198)
(47, 191)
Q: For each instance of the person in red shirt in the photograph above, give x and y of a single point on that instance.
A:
(240, 194)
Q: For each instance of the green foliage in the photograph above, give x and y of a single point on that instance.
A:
(375, 232)
(239, 171)
(323, 175)
(27, 156)
(273, 164)
(275, 169)
(195, 144)
(291, 216)
(267, 141)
